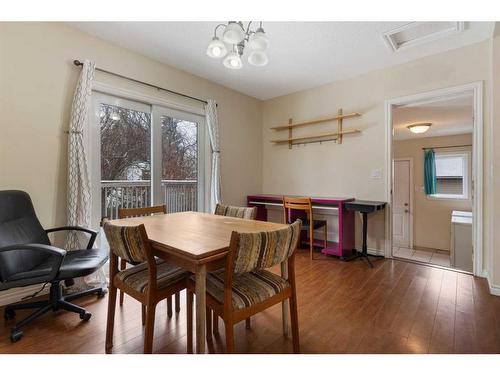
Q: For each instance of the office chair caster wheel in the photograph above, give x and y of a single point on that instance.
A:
(15, 336)
(9, 314)
(85, 316)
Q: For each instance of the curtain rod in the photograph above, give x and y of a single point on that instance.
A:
(79, 63)
(430, 148)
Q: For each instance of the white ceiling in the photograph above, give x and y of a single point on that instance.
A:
(448, 117)
(302, 54)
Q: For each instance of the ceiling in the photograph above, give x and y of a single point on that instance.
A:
(448, 117)
(302, 55)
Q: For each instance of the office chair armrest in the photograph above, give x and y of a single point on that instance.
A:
(58, 254)
(93, 233)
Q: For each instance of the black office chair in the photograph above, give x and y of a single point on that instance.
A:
(27, 258)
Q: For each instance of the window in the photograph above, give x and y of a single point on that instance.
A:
(452, 175)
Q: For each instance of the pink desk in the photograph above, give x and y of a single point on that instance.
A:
(345, 245)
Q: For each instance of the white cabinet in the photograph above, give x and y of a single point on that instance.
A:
(461, 240)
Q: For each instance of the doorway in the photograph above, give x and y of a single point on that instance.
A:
(437, 217)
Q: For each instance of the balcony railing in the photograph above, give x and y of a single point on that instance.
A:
(178, 195)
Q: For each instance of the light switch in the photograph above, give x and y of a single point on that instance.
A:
(376, 174)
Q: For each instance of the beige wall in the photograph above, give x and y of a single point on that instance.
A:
(37, 81)
(345, 170)
(431, 217)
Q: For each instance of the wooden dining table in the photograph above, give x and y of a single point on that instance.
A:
(197, 242)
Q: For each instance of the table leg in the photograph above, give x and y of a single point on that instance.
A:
(201, 280)
(284, 304)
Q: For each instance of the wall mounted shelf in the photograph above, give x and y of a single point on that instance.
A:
(323, 137)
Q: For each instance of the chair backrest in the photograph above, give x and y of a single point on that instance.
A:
(127, 242)
(253, 251)
(19, 225)
(296, 203)
(141, 211)
(241, 212)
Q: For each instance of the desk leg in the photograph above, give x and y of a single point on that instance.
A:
(284, 304)
(201, 280)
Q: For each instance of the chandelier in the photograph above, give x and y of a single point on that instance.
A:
(237, 37)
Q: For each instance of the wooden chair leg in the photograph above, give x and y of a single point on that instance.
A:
(209, 324)
(111, 318)
(177, 302)
(284, 304)
(189, 307)
(248, 323)
(150, 327)
(215, 323)
(229, 327)
(143, 314)
(311, 241)
(325, 242)
(169, 307)
(123, 266)
(295, 322)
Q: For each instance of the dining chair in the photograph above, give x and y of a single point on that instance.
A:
(245, 287)
(233, 211)
(149, 282)
(146, 211)
(308, 224)
(249, 213)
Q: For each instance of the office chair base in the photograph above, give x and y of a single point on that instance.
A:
(55, 302)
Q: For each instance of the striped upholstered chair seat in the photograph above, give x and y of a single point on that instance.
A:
(137, 277)
(248, 289)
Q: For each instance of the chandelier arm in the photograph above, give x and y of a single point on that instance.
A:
(216, 27)
(248, 28)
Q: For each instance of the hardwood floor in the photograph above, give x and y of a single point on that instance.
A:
(397, 307)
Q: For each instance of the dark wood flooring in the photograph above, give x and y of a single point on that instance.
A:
(397, 307)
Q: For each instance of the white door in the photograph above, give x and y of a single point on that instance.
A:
(401, 204)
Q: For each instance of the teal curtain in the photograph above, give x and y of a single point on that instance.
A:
(430, 172)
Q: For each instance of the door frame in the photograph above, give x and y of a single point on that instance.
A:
(476, 88)
(411, 202)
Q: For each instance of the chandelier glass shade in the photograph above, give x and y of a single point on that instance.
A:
(216, 48)
(235, 37)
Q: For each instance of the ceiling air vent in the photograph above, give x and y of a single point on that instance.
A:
(415, 33)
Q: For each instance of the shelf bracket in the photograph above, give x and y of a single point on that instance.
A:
(339, 127)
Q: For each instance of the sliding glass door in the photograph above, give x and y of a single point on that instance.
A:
(178, 148)
(144, 155)
(179, 160)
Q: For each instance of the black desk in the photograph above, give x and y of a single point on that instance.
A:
(365, 207)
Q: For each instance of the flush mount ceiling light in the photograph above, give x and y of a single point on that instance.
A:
(238, 37)
(420, 127)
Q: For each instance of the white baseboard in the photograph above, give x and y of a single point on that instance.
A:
(16, 294)
(494, 289)
(377, 252)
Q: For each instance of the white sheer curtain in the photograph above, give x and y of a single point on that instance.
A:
(213, 131)
(79, 197)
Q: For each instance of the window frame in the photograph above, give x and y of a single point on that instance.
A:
(467, 178)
